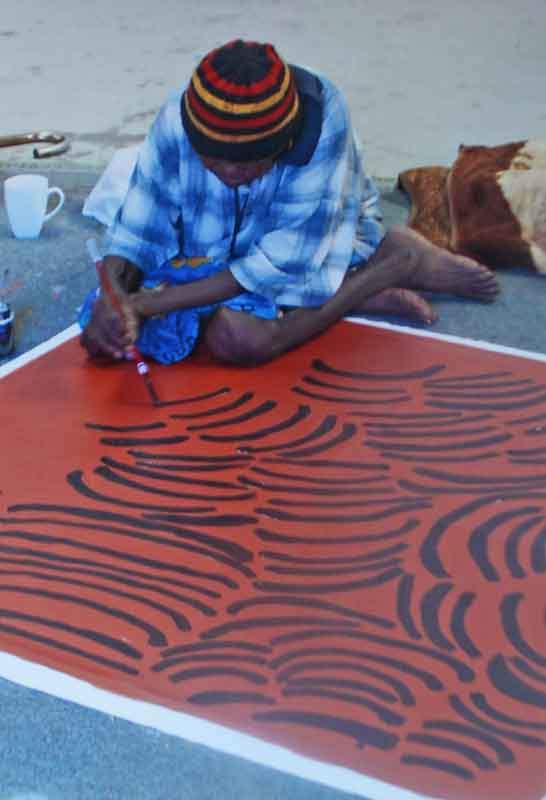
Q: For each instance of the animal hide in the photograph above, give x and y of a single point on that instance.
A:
(491, 204)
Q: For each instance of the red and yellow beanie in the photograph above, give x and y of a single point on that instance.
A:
(242, 103)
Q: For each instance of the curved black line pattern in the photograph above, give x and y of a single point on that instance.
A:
(354, 603)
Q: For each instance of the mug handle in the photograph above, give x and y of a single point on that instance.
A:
(60, 195)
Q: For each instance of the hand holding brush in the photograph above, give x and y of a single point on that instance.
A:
(131, 352)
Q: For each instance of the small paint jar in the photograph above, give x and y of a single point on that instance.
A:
(7, 339)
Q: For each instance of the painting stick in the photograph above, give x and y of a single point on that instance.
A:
(132, 351)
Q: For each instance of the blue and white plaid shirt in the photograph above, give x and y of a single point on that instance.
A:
(301, 227)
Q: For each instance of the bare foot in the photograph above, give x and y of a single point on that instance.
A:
(401, 302)
(438, 270)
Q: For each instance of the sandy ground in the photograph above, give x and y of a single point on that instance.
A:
(421, 76)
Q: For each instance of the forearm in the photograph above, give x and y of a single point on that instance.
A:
(215, 289)
(123, 275)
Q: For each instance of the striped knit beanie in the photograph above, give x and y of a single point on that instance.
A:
(242, 103)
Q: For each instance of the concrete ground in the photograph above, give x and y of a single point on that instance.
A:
(421, 76)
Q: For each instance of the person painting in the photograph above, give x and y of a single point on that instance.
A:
(251, 223)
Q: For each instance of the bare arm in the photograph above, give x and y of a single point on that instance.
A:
(215, 289)
(111, 330)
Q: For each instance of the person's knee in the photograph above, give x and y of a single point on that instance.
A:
(238, 338)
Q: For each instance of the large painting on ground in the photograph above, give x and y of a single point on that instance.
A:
(342, 552)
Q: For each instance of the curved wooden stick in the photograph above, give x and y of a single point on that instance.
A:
(59, 141)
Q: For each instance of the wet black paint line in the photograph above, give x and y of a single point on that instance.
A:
(438, 448)
(307, 602)
(456, 380)
(263, 433)
(119, 441)
(233, 549)
(324, 427)
(335, 669)
(246, 397)
(503, 481)
(457, 624)
(451, 421)
(117, 666)
(208, 658)
(195, 399)
(216, 521)
(366, 499)
(502, 752)
(295, 588)
(527, 452)
(401, 693)
(489, 406)
(272, 536)
(428, 552)
(527, 669)
(325, 572)
(383, 401)
(123, 556)
(118, 646)
(189, 468)
(403, 606)
(228, 645)
(463, 672)
(538, 552)
(212, 698)
(441, 765)
(216, 672)
(313, 490)
(509, 608)
(320, 682)
(154, 474)
(463, 386)
(478, 541)
(430, 606)
(156, 637)
(48, 560)
(347, 432)
(375, 555)
(480, 701)
(417, 417)
(421, 459)
(125, 428)
(385, 715)
(527, 420)
(428, 679)
(394, 433)
(441, 742)
(364, 735)
(193, 548)
(118, 577)
(237, 626)
(382, 391)
(258, 411)
(344, 519)
(318, 480)
(470, 716)
(180, 620)
(187, 458)
(488, 395)
(508, 683)
(321, 366)
(327, 463)
(76, 481)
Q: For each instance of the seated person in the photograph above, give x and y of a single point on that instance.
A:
(250, 221)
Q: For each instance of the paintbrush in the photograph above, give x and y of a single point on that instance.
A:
(132, 352)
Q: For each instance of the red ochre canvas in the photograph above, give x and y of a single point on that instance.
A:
(342, 552)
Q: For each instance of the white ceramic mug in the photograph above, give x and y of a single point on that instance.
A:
(26, 198)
